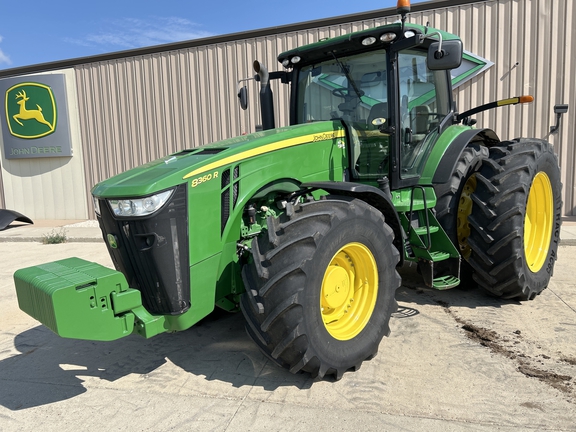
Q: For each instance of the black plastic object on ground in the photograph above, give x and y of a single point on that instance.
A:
(9, 216)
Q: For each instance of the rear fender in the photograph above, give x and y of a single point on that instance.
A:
(446, 153)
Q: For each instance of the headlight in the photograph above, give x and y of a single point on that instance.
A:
(96, 205)
(368, 41)
(140, 206)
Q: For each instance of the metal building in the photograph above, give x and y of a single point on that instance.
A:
(128, 108)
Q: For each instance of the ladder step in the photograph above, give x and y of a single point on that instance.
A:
(424, 231)
(445, 282)
(439, 256)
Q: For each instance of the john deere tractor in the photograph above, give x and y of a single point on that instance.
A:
(303, 227)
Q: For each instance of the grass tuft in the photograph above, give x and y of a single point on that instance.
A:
(55, 237)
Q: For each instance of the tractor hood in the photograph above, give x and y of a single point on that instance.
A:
(177, 168)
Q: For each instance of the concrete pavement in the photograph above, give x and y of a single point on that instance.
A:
(456, 360)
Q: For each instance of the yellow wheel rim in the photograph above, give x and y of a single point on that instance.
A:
(349, 291)
(538, 222)
(464, 210)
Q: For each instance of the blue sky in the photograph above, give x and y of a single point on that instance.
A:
(33, 32)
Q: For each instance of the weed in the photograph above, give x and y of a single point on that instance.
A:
(55, 237)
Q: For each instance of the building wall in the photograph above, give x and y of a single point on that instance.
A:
(531, 45)
(136, 109)
(2, 200)
(48, 188)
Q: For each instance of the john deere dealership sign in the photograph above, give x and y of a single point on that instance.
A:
(30, 101)
(35, 117)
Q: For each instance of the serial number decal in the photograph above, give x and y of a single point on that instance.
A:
(205, 178)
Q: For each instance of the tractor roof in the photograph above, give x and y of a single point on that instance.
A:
(349, 43)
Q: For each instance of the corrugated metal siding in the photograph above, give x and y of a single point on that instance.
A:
(531, 44)
(137, 109)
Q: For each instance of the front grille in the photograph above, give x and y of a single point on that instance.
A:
(224, 199)
(152, 252)
(228, 202)
(235, 186)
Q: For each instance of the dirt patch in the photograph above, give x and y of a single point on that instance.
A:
(559, 382)
(508, 347)
(569, 360)
(487, 338)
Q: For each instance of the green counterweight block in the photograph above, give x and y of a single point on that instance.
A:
(78, 299)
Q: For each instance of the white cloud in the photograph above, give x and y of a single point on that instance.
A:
(3, 57)
(135, 33)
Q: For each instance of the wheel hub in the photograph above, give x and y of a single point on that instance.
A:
(349, 291)
(464, 210)
(336, 287)
(538, 222)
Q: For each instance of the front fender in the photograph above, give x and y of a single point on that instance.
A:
(372, 196)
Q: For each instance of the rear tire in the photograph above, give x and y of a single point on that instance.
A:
(516, 218)
(320, 289)
(454, 204)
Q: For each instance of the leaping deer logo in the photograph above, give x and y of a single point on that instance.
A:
(26, 114)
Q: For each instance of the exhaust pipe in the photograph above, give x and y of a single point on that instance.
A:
(266, 100)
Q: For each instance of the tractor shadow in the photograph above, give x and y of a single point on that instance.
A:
(414, 292)
(51, 369)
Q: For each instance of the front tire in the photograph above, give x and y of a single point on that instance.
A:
(516, 218)
(320, 288)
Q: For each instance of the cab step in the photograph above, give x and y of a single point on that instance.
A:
(422, 230)
(445, 282)
(439, 256)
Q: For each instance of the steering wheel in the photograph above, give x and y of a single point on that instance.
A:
(344, 92)
(340, 92)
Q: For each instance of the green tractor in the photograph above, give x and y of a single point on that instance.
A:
(303, 227)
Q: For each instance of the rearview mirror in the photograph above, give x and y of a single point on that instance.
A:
(243, 97)
(560, 109)
(449, 56)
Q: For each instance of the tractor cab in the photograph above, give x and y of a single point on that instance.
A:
(391, 89)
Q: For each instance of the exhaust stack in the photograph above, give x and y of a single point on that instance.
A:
(266, 100)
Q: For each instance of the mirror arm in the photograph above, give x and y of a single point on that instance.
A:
(436, 33)
(240, 81)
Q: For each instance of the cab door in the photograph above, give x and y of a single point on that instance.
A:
(423, 111)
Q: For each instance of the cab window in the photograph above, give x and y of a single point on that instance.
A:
(353, 90)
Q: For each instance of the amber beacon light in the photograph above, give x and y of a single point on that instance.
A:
(403, 6)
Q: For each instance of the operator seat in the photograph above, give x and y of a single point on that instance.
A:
(372, 158)
(420, 122)
(419, 127)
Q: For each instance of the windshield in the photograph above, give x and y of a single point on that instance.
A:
(346, 88)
